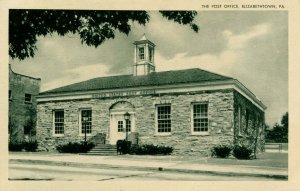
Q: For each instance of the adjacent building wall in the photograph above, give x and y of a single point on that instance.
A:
(220, 112)
(22, 113)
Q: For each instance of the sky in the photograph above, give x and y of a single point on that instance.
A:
(251, 46)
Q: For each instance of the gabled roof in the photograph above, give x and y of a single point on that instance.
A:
(130, 81)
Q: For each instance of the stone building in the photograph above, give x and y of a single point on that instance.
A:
(190, 110)
(22, 105)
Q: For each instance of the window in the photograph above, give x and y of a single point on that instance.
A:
(163, 118)
(59, 122)
(247, 120)
(9, 94)
(28, 98)
(120, 126)
(26, 130)
(239, 124)
(141, 53)
(200, 117)
(150, 54)
(86, 121)
(128, 126)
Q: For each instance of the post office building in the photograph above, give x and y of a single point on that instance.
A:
(191, 110)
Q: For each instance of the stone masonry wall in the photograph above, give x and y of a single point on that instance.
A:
(220, 112)
(21, 112)
(251, 130)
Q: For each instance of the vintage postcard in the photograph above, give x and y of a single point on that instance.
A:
(126, 95)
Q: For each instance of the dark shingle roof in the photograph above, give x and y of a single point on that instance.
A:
(152, 79)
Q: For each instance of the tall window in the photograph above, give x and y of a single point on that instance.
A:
(200, 117)
(163, 118)
(247, 120)
(128, 126)
(141, 53)
(86, 121)
(59, 122)
(120, 126)
(239, 120)
(28, 98)
(27, 130)
(150, 54)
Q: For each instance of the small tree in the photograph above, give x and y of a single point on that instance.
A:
(279, 132)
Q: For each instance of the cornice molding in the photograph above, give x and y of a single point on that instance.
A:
(165, 89)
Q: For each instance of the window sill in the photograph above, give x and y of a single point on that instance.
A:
(58, 135)
(200, 133)
(27, 102)
(88, 135)
(163, 134)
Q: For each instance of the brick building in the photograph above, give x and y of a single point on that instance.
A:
(190, 110)
(22, 105)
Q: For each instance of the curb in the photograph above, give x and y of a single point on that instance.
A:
(141, 168)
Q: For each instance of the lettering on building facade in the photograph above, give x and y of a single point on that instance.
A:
(124, 93)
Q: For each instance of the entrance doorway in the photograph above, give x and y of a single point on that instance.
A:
(118, 124)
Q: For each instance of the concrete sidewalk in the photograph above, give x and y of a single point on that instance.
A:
(165, 163)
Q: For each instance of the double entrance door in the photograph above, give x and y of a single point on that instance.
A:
(119, 127)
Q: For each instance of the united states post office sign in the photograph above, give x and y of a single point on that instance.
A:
(123, 93)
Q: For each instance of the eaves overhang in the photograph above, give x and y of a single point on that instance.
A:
(161, 89)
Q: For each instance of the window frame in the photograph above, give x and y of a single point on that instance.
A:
(157, 116)
(141, 53)
(26, 130)
(127, 125)
(54, 123)
(193, 132)
(80, 121)
(240, 124)
(26, 101)
(247, 121)
(120, 123)
(151, 54)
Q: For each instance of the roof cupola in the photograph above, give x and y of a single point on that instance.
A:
(143, 57)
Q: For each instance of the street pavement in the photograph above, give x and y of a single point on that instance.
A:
(58, 166)
(67, 173)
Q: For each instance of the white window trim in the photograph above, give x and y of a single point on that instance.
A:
(144, 53)
(53, 124)
(79, 121)
(192, 120)
(156, 121)
(122, 130)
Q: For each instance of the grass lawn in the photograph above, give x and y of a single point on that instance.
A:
(279, 160)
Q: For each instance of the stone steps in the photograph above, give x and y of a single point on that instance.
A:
(103, 149)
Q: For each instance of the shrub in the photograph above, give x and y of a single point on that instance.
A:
(123, 146)
(242, 152)
(15, 146)
(19, 146)
(221, 151)
(75, 147)
(150, 150)
(30, 146)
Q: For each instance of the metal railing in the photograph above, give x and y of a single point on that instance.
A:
(274, 146)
